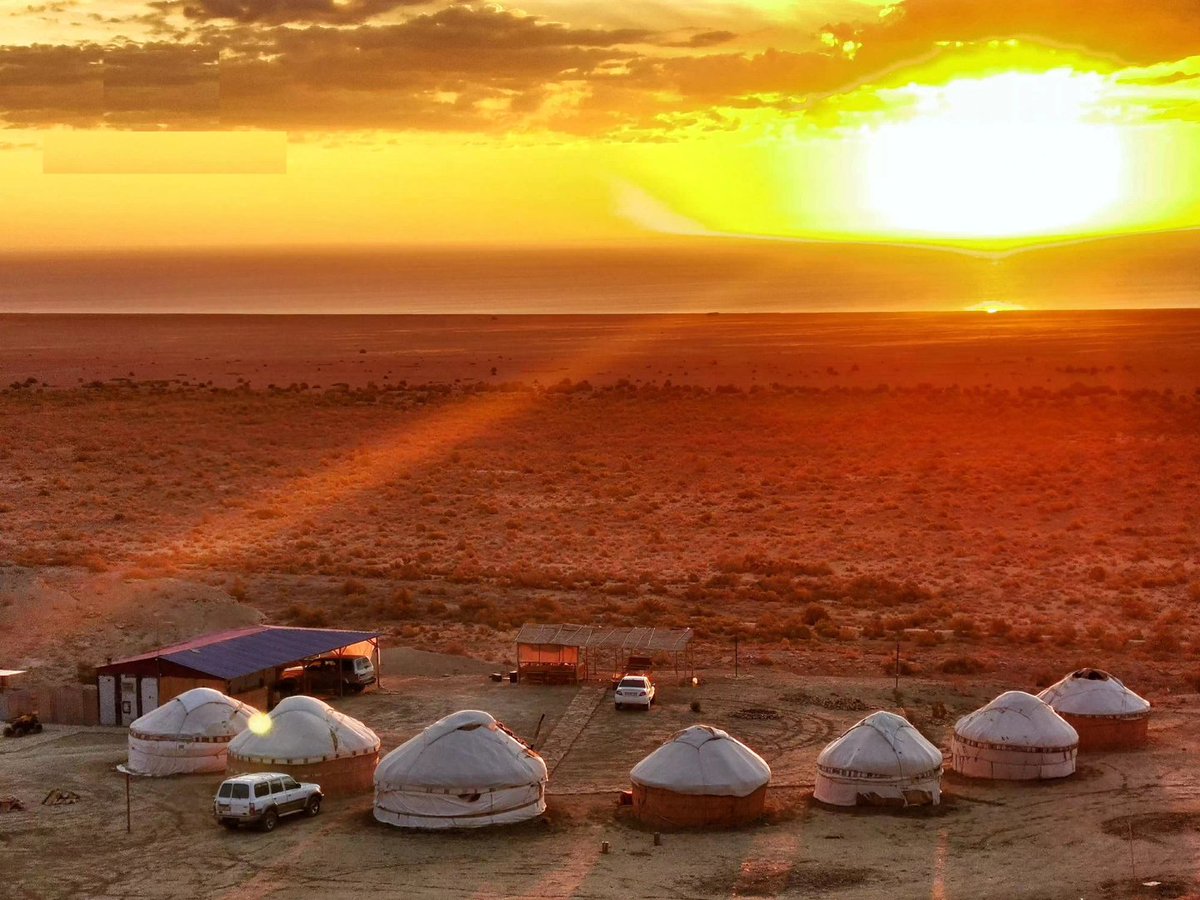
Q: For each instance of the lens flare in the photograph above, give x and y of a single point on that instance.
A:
(260, 723)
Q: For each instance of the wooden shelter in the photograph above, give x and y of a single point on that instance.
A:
(565, 654)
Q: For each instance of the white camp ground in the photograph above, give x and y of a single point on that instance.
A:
(463, 771)
(1015, 737)
(189, 734)
(880, 761)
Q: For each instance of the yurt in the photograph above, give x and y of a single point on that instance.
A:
(1107, 715)
(881, 761)
(701, 776)
(188, 734)
(311, 741)
(1015, 737)
(464, 771)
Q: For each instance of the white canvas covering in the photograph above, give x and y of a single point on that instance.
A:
(305, 731)
(463, 771)
(1093, 692)
(1016, 736)
(703, 761)
(188, 734)
(882, 759)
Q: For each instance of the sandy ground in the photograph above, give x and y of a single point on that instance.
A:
(1121, 821)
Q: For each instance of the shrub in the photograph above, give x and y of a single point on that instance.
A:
(814, 613)
(962, 665)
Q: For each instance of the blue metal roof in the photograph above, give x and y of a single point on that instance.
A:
(245, 651)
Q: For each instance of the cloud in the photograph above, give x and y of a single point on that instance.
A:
(279, 12)
(324, 65)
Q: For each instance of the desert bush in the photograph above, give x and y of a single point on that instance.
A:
(964, 626)
(962, 665)
(353, 586)
(814, 613)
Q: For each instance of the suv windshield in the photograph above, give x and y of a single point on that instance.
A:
(226, 790)
(632, 683)
(241, 792)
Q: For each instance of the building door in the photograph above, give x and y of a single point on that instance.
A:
(149, 695)
(129, 699)
(107, 685)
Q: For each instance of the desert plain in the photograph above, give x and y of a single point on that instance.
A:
(1003, 498)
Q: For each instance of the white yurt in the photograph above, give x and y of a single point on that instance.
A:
(188, 734)
(1014, 737)
(311, 741)
(881, 761)
(463, 771)
(1107, 715)
(700, 776)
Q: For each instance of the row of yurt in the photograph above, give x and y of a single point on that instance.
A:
(311, 741)
(202, 730)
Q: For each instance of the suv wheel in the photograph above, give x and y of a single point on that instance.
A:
(313, 806)
(270, 819)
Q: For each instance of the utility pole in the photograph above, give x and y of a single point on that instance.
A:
(735, 656)
(897, 666)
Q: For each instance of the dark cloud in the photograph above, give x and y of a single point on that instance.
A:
(279, 12)
(704, 39)
(464, 67)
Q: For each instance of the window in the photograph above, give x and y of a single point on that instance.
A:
(632, 683)
(241, 792)
(290, 784)
(277, 786)
(226, 790)
(262, 789)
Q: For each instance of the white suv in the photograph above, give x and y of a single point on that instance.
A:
(260, 799)
(634, 690)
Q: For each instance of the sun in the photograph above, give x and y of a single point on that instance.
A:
(1004, 156)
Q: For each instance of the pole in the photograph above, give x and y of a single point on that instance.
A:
(897, 665)
(128, 816)
(735, 656)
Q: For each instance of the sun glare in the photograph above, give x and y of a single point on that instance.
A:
(259, 723)
(998, 157)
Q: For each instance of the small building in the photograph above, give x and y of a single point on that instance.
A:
(881, 761)
(1016, 737)
(311, 741)
(1107, 715)
(565, 654)
(244, 664)
(701, 777)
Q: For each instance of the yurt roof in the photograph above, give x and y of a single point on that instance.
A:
(1017, 719)
(703, 760)
(465, 751)
(305, 729)
(1094, 692)
(198, 713)
(882, 744)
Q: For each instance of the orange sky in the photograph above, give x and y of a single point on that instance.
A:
(239, 122)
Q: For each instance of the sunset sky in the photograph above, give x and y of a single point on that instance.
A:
(238, 122)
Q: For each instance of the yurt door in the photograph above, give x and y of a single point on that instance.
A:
(129, 699)
(149, 694)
